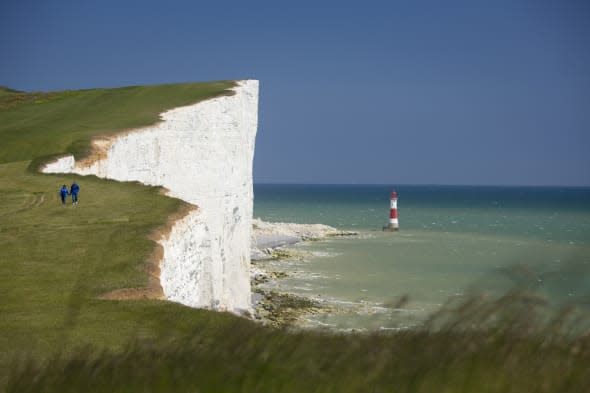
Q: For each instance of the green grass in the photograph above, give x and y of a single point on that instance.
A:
(242, 357)
(40, 125)
(56, 260)
(57, 335)
(5, 91)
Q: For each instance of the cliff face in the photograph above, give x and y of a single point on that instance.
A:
(202, 154)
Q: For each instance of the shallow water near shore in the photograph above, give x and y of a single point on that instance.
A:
(454, 241)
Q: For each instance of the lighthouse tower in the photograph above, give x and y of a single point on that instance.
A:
(393, 223)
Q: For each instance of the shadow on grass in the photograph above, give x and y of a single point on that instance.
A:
(517, 342)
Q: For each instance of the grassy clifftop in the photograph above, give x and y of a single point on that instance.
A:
(34, 126)
(5, 91)
(56, 261)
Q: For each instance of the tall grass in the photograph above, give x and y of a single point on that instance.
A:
(476, 345)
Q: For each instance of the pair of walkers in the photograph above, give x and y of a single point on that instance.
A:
(74, 190)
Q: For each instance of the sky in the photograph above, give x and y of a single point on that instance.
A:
(351, 92)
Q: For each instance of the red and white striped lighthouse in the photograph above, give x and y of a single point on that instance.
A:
(393, 223)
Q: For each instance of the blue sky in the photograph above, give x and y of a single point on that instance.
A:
(412, 92)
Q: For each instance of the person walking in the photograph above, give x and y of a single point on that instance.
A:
(63, 193)
(74, 190)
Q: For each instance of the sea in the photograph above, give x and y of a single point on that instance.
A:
(454, 241)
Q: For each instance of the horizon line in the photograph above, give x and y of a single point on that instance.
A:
(417, 184)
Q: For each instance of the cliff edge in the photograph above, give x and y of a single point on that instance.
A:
(202, 154)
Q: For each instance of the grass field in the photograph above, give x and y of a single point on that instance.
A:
(57, 335)
(37, 125)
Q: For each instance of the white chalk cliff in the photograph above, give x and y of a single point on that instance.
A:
(202, 154)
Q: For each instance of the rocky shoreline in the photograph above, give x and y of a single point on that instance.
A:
(270, 241)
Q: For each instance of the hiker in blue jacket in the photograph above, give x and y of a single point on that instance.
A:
(74, 190)
(63, 193)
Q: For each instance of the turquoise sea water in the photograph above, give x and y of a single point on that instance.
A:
(454, 240)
